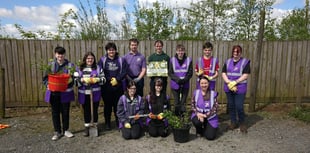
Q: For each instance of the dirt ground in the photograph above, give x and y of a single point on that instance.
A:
(270, 131)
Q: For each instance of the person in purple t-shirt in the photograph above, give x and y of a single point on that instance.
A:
(136, 63)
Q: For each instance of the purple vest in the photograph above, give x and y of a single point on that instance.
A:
(180, 71)
(65, 97)
(235, 72)
(205, 106)
(96, 90)
(201, 65)
(136, 109)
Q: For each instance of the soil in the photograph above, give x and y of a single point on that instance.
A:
(270, 130)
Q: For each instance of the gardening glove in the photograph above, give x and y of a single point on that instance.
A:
(70, 80)
(136, 79)
(160, 116)
(232, 84)
(200, 72)
(137, 116)
(234, 89)
(113, 81)
(152, 116)
(94, 80)
(85, 80)
(209, 77)
(127, 125)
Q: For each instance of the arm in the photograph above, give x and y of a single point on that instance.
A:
(189, 73)
(121, 111)
(171, 73)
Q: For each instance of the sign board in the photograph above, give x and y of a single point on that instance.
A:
(157, 69)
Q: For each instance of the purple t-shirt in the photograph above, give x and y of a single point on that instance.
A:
(135, 63)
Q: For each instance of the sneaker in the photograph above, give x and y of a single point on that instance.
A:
(86, 132)
(243, 128)
(68, 134)
(56, 136)
(232, 126)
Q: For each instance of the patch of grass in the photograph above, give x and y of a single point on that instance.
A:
(301, 113)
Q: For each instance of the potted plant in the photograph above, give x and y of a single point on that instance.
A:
(56, 81)
(180, 126)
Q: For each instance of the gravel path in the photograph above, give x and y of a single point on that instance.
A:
(267, 132)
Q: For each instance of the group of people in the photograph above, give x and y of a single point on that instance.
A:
(119, 81)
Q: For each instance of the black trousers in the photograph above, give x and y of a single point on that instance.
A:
(59, 109)
(157, 128)
(180, 103)
(87, 110)
(133, 133)
(110, 98)
(204, 128)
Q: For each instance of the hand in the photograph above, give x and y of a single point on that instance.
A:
(85, 80)
(136, 79)
(152, 116)
(113, 81)
(181, 81)
(231, 84)
(127, 125)
(137, 116)
(160, 116)
(234, 89)
(209, 77)
(94, 80)
(200, 72)
(201, 117)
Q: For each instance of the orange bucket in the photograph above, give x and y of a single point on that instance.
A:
(58, 82)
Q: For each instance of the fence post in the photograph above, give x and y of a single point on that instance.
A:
(2, 99)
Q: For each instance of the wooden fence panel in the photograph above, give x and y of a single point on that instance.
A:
(278, 79)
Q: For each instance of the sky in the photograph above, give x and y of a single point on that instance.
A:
(34, 15)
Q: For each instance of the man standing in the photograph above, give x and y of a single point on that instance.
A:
(136, 66)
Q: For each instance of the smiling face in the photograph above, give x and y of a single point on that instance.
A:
(204, 84)
(158, 47)
(207, 52)
(180, 53)
(60, 58)
(90, 60)
(133, 46)
(111, 52)
(132, 90)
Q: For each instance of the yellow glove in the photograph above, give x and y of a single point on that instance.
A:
(234, 89)
(86, 80)
(200, 72)
(232, 84)
(70, 80)
(94, 80)
(127, 125)
(160, 116)
(209, 77)
(113, 82)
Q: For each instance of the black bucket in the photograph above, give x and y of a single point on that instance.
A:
(181, 135)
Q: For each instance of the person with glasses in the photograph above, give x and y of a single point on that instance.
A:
(129, 108)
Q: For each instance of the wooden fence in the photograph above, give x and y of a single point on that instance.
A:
(283, 64)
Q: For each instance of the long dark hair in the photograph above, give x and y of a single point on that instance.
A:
(157, 82)
(83, 64)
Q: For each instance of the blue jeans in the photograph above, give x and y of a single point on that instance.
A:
(235, 106)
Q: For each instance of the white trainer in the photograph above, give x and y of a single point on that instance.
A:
(56, 136)
(68, 134)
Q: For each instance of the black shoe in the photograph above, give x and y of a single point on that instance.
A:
(86, 132)
(108, 126)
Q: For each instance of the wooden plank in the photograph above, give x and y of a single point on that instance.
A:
(15, 74)
(306, 61)
(27, 91)
(8, 72)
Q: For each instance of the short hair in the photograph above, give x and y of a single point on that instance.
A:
(135, 40)
(60, 50)
(159, 41)
(180, 46)
(207, 45)
(110, 45)
(238, 47)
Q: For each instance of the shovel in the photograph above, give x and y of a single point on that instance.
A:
(93, 130)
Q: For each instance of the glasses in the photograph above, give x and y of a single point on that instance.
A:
(132, 88)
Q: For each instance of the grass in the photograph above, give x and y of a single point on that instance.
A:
(301, 113)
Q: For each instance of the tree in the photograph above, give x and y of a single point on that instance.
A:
(93, 27)
(153, 23)
(295, 26)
